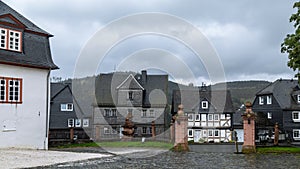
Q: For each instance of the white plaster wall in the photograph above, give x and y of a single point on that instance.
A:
(29, 117)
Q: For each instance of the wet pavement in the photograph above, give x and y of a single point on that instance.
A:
(192, 160)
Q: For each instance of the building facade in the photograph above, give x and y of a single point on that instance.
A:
(141, 98)
(209, 114)
(25, 66)
(69, 122)
(278, 103)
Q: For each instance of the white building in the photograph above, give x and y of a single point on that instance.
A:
(25, 66)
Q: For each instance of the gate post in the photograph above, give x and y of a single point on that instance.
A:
(181, 139)
(249, 129)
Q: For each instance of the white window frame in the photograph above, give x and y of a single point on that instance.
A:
(190, 117)
(14, 40)
(113, 112)
(210, 117)
(70, 122)
(106, 130)
(269, 115)
(216, 117)
(269, 99)
(216, 133)
(294, 132)
(152, 113)
(114, 130)
(144, 112)
(77, 122)
(293, 115)
(190, 133)
(65, 107)
(298, 98)
(10, 40)
(260, 100)
(85, 122)
(204, 104)
(197, 117)
(210, 133)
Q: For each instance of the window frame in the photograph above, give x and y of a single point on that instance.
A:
(11, 39)
(11, 89)
(85, 122)
(66, 108)
(298, 98)
(144, 113)
(190, 133)
(204, 104)
(260, 100)
(208, 117)
(190, 117)
(296, 131)
(293, 116)
(71, 122)
(269, 99)
(197, 117)
(106, 130)
(269, 115)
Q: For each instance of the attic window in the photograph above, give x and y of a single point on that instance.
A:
(298, 98)
(204, 104)
(261, 100)
(66, 107)
(10, 40)
(269, 99)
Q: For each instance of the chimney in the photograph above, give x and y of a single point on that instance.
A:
(144, 77)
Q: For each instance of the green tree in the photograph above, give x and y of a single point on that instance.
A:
(291, 43)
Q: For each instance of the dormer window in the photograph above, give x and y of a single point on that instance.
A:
(204, 104)
(261, 100)
(269, 99)
(10, 40)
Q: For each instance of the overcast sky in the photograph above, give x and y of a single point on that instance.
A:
(245, 34)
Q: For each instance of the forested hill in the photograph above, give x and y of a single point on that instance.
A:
(242, 91)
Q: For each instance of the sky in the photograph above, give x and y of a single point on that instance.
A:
(193, 41)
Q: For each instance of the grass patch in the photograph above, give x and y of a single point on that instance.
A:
(120, 144)
(264, 150)
(149, 144)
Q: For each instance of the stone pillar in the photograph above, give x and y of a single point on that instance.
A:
(249, 129)
(153, 129)
(276, 134)
(181, 138)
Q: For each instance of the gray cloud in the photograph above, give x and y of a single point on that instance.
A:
(246, 34)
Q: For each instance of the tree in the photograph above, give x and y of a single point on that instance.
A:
(291, 43)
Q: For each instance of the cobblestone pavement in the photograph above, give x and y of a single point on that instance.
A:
(191, 160)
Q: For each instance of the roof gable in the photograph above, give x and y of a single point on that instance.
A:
(10, 20)
(130, 83)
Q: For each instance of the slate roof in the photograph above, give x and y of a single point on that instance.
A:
(220, 100)
(35, 42)
(106, 86)
(284, 91)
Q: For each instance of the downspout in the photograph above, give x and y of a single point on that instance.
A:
(47, 111)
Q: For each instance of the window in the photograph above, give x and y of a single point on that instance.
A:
(298, 98)
(210, 133)
(216, 117)
(106, 112)
(210, 117)
(10, 90)
(152, 114)
(150, 130)
(106, 130)
(204, 104)
(296, 134)
(190, 117)
(269, 99)
(85, 122)
(114, 112)
(269, 115)
(2, 90)
(260, 100)
(66, 107)
(216, 133)
(144, 130)
(114, 130)
(10, 40)
(130, 95)
(78, 123)
(70, 122)
(144, 113)
(197, 117)
(296, 116)
(190, 133)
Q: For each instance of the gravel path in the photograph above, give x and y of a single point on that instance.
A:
(22, 158)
